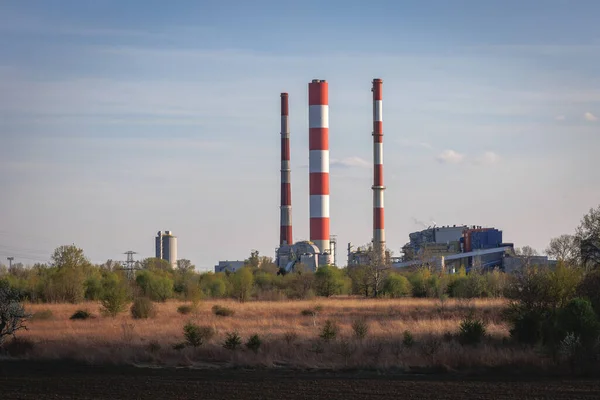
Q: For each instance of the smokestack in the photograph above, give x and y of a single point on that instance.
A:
(378, 188)
(318, 123)
(285, 234)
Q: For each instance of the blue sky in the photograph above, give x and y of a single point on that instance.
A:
(119, 120)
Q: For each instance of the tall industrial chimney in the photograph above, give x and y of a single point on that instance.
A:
(378, 188)
(318, 123)
(285, 235)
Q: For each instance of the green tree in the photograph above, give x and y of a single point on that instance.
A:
(156, 264)
(329, 281)
(241, 284)
(115, 294)
(156, 285)
(361, 281)
(396, 285)
(185, 265)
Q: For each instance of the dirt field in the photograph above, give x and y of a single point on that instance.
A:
(52, 380)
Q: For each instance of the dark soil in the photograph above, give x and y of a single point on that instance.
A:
(61, 380)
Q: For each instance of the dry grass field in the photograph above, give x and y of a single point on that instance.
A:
(288, 337)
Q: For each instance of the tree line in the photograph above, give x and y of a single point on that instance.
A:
(71, 277)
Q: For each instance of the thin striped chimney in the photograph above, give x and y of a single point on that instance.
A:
(285, 234)
(378, 188)
(318, 123)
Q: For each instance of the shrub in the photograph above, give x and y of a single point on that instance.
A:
(308, 313)
(588, 288)
(396, 285)
(42, 315)
(471, 331)
(12, 313)
(526, 325)
(290, 337)
(197, 335)
(222, 311)
(143, 307)
(179, 346)
(407, 339)
(254, 343)
(579, 318)
(81, 314)
(329, 331)
(360, 328)
(232, 341)
(185, 309)
(114, 298)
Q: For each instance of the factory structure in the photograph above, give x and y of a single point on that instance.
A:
(166, 247)
(320, 249)
(445, 247)
(471, 247)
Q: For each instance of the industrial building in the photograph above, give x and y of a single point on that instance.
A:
(445, 247)
(166, 247)
(230, 266)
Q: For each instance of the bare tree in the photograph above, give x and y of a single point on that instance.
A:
(377, 268)
(563, 248)
(527, 253)
(587, 239)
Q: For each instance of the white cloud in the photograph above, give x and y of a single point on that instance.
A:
(487, 158)
(590, 117)
(450, 157)
(350, 162)
(560, 118)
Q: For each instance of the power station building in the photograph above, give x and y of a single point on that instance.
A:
(166, 247)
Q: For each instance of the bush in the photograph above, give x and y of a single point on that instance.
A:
(290, 337)
(396, 285)
(143, 307)
(471, 331)
(526, 325)
(197, 335)
(329, 331)
(588, 288)
(12, 313)
(308, 313)
(115, 297)
(185, 309)
(254, 343)
(222, 311)
(81, 314)
(579, 318)
(407, 339)
(42, 315)
(232, 341)
(360, 328)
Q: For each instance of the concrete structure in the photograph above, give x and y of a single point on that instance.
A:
(166, 247)
(230, 266)
(378, 188)
(318, 123)
(289, 257)
(285, 234)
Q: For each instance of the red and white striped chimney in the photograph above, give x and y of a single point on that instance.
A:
(285, 234)
(378, 188)
(318, 123)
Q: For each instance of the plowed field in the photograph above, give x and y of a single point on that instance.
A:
(31, 380)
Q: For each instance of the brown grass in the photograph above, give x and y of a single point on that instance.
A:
(125, 340)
